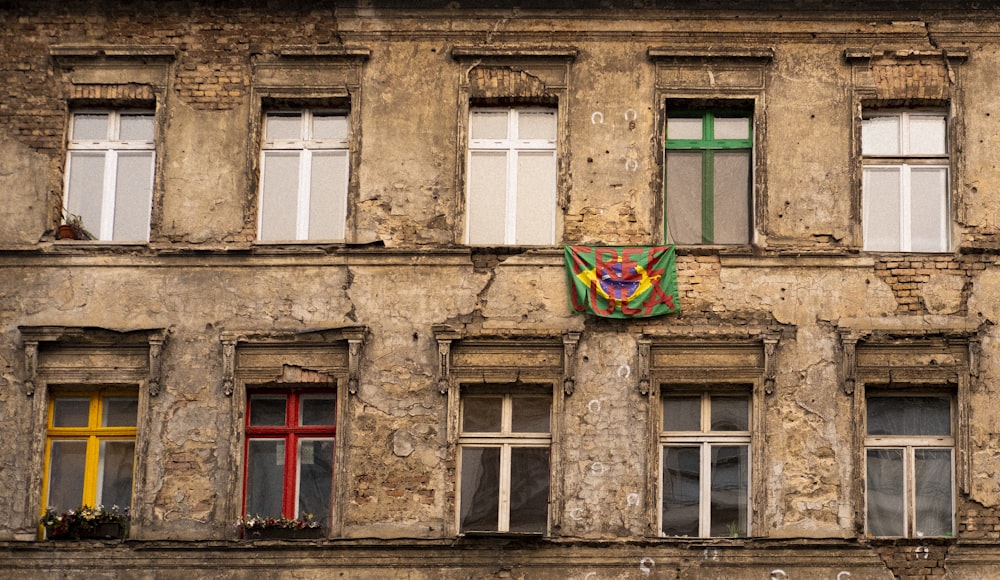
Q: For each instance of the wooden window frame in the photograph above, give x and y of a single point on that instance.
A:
(905, 162)
(111, 147)
(706, 146)
(93, 434)
(513, 146)
(909, 444)
(291, 432)
(506, 440)
(305, 146)
(706, 439)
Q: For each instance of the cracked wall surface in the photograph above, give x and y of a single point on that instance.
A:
(403, 273)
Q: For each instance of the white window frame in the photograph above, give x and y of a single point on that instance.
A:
(706, 439)
(513, 146)
(906, 162)
(505, 440)
(909, 444)
(305, 145)
(111, 145)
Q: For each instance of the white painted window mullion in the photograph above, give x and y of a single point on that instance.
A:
(705, 492)
(510, 206)
(108, 189)
(303, 198)
(905, 208)
(503, 525)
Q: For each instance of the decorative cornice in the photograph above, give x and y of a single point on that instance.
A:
(507, 52)
(765, 54)
(119, 51)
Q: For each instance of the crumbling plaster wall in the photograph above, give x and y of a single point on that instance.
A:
(398, 463)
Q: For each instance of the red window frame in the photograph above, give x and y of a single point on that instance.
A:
(290, 432)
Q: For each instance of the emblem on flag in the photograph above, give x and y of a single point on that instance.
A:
(620, 282)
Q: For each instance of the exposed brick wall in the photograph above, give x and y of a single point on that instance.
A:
(914, 559)
(907, 277)
(977, 522)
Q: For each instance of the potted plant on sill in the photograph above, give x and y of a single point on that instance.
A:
(72, 228)
(86, 523)
(282, 528)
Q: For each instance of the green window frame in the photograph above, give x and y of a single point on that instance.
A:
(708, 165)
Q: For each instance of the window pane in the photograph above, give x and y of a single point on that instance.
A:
(682, 413)
(330, 126)
(481, 414)
(732, 128)
(265, 476)
(929, 209)
(537, 125)
(488, 125)
(882, 208)
(531, 414)
(730, 494)
(730, 414)
(885, 492)
(683, 177)
(67, 461)
(86, 186)
(119, 412)
(681, 479)
(279, 195)
(283, 126)
(529, 489)
(90, 127)
(136, 127)
(909, 416)
(928, 135)
(480, 506)
(114, 478)
(933, 473)
(487, 196)
(71, 412)
(134, 195)
(318, 410)
(536, 197)
(880, 135)
(328, 195)
(266, 411)
(315, 478)
(684, 128)
(732, 197)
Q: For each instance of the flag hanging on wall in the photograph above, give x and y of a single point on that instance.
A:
(618, 282)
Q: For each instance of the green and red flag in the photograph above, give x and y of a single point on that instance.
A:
(620, 282)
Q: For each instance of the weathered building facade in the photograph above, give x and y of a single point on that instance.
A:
(316, 264)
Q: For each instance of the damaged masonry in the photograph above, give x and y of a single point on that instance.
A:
(617, 289)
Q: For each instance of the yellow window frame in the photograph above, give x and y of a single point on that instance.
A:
(93, 434)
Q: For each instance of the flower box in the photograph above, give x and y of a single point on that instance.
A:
(102, 531)
(283, 534)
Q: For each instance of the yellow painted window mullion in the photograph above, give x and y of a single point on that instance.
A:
(90, 471)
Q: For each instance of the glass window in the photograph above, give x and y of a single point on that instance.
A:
(109, 174)
(90, 449)
(905, 181)
(909, 455)
(707, 177)
(511, 179)
(505, 442)
(705, 484)
(305, 171)
(290, 454)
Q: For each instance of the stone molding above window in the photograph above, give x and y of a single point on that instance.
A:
(285, 357)
(72, 354)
